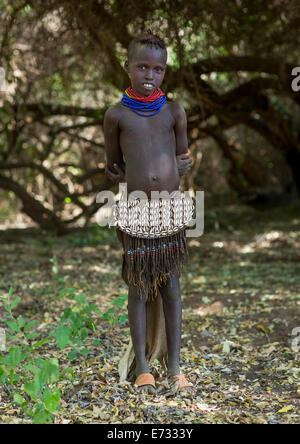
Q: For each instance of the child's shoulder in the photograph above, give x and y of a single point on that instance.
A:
(176, 109)
(113, 112)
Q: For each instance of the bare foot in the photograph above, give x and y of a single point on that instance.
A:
(179, 384)
(147, 389)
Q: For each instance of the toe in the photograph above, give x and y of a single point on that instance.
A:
(187, 391)
(148, 389)
(152, 390)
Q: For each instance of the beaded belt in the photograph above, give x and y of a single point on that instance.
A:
(153, 218)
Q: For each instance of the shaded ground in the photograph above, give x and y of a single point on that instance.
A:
(241, 297)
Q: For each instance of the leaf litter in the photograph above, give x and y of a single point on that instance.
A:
(240, 305)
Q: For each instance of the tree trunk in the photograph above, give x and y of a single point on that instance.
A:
(44, 217)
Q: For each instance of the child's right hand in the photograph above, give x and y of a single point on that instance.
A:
(115, 177)
(184, 163)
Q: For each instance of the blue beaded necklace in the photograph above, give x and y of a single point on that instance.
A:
(137, 103)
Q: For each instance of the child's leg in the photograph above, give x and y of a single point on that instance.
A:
(171, 297)
(137, 321)
(173, 314)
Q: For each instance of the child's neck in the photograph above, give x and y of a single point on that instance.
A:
(142, 95)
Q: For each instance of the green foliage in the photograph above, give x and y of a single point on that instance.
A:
(37, 397)
(75, 324)
(31, 382)
(111, 315)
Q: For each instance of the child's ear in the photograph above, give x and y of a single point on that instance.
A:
(126, 67)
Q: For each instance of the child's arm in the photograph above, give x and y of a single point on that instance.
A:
(116, 177)
(115, 166)
(184, 162)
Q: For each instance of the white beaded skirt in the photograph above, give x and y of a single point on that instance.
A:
(153, 218)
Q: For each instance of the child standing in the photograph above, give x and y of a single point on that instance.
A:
(146, 145)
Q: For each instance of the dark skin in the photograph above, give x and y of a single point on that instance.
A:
(184, 164)
(149, 153)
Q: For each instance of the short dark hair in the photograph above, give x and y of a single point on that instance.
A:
(148, 39)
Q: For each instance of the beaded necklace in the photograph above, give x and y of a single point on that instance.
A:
(136, 102)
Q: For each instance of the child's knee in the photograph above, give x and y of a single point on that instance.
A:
(171, 295)
(136, 295)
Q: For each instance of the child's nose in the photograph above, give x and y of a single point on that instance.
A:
(149, 75)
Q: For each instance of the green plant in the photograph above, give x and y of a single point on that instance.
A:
(78, 320)
(75, 324)
(58, 277)
(29, 380)
(111, 316)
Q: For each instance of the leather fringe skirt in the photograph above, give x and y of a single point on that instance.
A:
(148, 263)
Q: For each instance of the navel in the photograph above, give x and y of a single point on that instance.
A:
(154, 177)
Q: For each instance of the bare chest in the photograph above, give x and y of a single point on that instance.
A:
(134, 124)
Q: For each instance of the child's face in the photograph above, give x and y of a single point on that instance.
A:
(146, 69)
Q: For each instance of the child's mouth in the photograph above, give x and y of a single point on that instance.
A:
(148, 86)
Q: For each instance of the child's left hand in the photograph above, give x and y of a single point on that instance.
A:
(116, 177)
(184, 163)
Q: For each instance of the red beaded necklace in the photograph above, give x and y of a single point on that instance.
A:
(136, 96)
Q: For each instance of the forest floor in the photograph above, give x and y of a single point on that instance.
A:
(240, 342)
